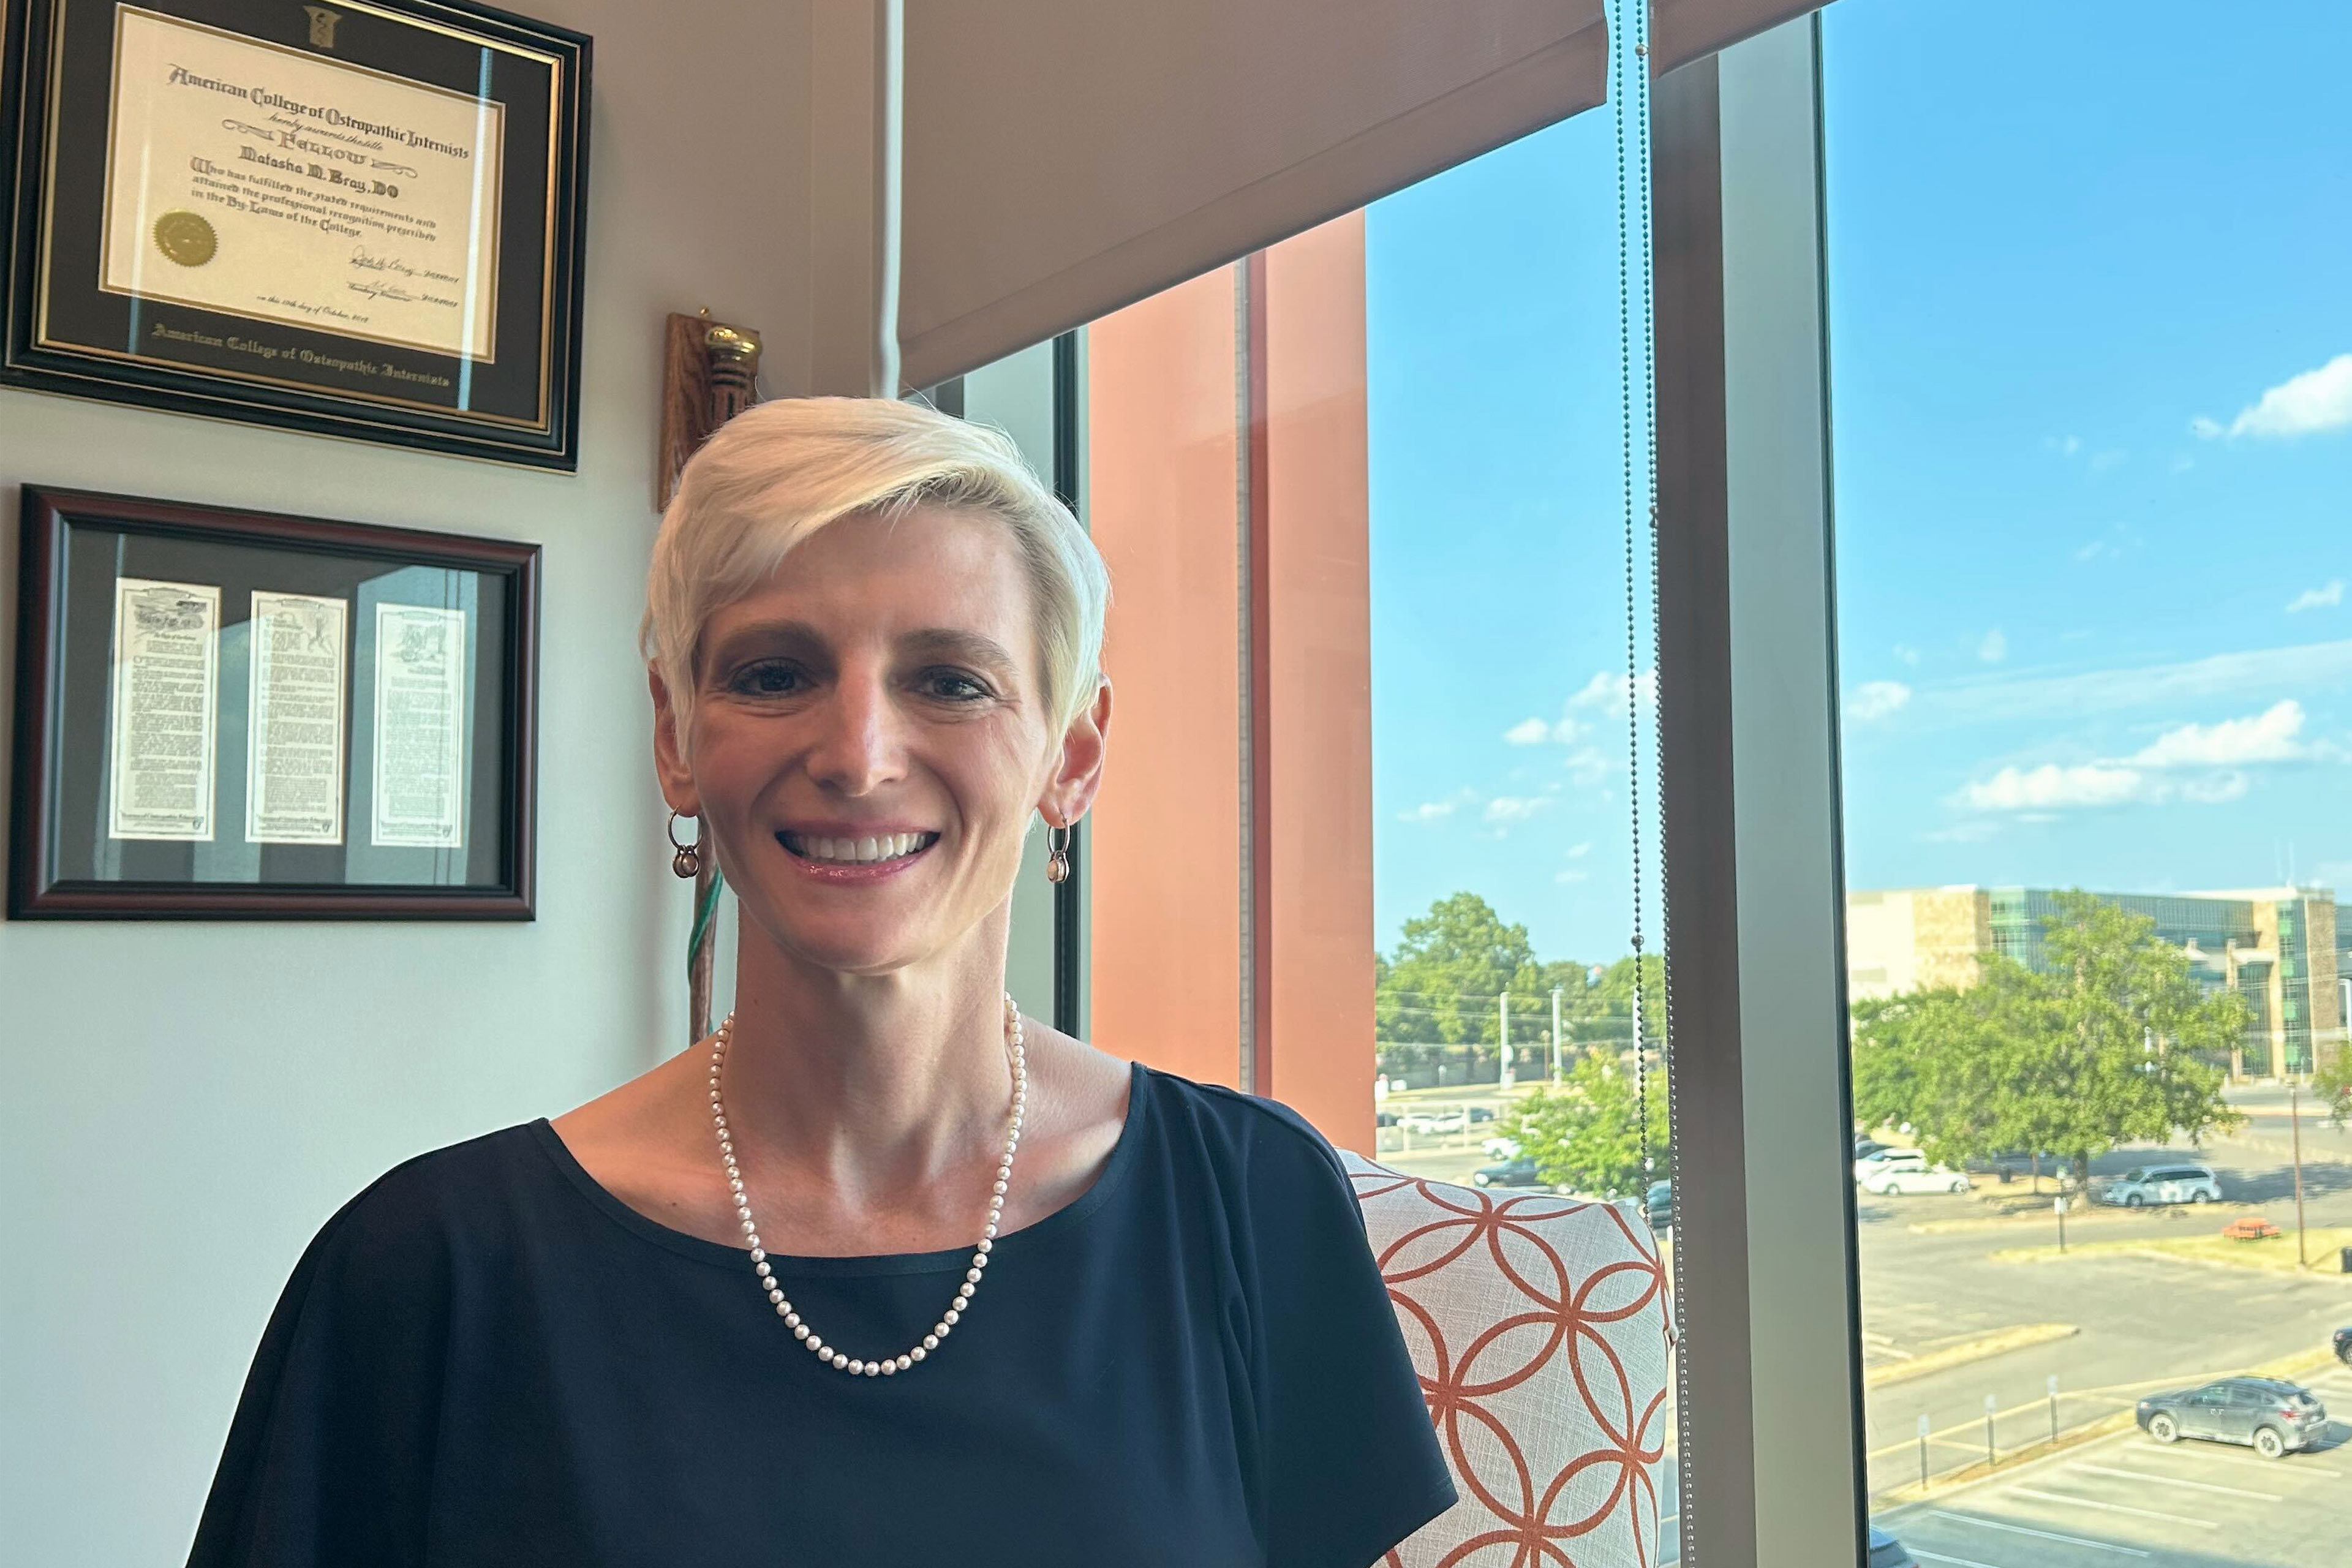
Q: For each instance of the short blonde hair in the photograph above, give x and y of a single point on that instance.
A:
(776, 473)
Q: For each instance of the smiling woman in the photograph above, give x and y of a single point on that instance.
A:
(873, 640)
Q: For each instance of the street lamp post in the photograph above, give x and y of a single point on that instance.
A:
(1555, 1034)
(2294, 1125)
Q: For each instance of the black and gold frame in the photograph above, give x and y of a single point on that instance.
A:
(357, 220)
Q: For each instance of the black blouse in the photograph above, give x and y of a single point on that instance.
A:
(487, 1358)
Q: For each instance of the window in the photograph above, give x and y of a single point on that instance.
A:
(1371, 809)
(2082, 323)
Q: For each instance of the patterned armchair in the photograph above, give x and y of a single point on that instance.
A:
(1540, 1328)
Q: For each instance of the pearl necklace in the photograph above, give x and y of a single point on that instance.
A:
(829, 1354)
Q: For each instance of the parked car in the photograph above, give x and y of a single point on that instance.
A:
(2163, 1185)
(2344, 1346)
(2272, 1417)
(1384, 1119)
(1885, 1551)
(1865, 1146)
(1427, 1121)
(1500, 1148)
(1659, 1202)
(1912, 1173)
(1868, 1164)
(1516, 1173)
(1482, 1113)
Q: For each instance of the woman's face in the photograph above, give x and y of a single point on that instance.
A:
(869, 739)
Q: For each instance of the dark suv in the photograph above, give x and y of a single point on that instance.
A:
(2274, 1417)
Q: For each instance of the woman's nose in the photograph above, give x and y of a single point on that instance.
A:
(860, 745)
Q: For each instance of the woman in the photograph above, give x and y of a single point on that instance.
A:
(883, 1272)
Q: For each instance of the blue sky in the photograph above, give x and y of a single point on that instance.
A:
(2092, 379)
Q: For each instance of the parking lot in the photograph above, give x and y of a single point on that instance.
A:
(2130, 1500)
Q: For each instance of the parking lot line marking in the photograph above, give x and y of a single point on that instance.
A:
(2111, 1507)
(2043, 1534)
(2299, 1467)
(2177, 1481)
(1939, 1557)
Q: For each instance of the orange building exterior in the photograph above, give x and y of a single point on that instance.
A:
(1232, 850)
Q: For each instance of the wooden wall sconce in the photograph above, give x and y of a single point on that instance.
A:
(709, 374)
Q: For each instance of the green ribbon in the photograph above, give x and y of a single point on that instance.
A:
(701, 933)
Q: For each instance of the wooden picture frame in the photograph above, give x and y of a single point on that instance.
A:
(363, 220)
(237, 715)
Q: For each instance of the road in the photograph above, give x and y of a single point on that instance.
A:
(1929, 1281)
(2128, 1501)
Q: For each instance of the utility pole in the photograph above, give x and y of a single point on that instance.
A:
(1503, 1003)
(2294, 1122)
(1555, 1034)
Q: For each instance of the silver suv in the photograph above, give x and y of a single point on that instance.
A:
(2164, 1185)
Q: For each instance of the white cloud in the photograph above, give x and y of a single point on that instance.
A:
(1428, 811)
(1606, 692)
(1578, 851)
(2270, 736)
(1907, 654)
(2302, 404)
(1570, 875)
(1975, 830)
(2066, 445)
(2216, 789)
(2051, 786)
(1995, 646)
(1528, 733)
(2092, 694)
(1505, 809)
(1588, 764)
(2325, 598)
(1875, 700)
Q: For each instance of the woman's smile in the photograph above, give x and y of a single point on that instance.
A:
(854, 858)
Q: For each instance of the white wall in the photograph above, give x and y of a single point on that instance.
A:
(182, 1104)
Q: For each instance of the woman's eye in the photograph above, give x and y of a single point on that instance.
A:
(765, 679)
(953, 685)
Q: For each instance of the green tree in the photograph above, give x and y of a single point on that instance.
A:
(1440, 986)
(2104, 1046)
(2333, 1083)
(1585, 1134)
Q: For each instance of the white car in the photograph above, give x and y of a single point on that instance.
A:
(1429, 1121)
(2164, 1185)
(1501, 1148)
(1870, 1164)
(1896, 1178)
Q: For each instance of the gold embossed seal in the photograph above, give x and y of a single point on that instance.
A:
(186, 238)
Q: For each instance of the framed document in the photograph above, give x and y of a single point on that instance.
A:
(360, 220)
(234, 715)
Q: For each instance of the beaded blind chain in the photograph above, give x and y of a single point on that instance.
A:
(830, 1355)
(1637, 330)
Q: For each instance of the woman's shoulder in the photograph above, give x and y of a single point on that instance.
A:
(1259, 1135)
(436, 1209)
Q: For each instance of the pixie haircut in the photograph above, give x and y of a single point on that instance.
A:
(777, 472)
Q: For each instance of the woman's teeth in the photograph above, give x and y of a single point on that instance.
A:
(857, 851)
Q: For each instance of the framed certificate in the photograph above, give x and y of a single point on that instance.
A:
(235, 715)
(359, 220)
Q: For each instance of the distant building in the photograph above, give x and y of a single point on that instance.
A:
(2287, 950)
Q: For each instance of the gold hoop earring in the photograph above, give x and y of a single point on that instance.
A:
(1057, 863)
(687, 861)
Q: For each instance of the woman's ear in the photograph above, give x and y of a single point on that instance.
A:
(669, 751)
(1079, 770)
